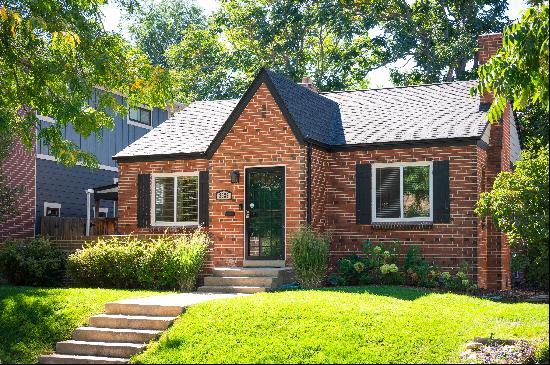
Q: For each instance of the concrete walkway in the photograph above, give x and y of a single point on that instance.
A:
(125, 329)
(182, 300)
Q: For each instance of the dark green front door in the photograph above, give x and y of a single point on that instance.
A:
(265, 213)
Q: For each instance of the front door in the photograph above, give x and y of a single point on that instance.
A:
(265, 213)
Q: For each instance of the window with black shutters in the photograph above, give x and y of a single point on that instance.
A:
(402, 192)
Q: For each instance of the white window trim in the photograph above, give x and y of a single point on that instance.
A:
(137, 124)
(42, 156)
(401, 165)
(175, 175)
(101, 210)
(51, 205)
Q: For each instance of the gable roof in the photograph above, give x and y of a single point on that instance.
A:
(398, 115)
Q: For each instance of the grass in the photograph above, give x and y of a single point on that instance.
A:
(348, 325)
(32, 320)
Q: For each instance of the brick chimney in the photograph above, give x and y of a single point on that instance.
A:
(488, 44)
(306, 82)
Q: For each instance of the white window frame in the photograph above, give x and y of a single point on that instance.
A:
(137, 124)
(51, 205)
(175, 175)
(102, 210)
(401, 165)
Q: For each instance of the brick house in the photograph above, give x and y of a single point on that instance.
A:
(401, 163)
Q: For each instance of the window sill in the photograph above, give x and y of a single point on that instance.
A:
(402, 225)
(141, 125)
(172, 225)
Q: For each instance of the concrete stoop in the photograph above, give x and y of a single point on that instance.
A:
(252, 279)
(113, 337)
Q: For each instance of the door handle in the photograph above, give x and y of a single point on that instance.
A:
(247, 214)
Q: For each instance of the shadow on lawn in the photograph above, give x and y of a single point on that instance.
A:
(31, 321)
(402, 293)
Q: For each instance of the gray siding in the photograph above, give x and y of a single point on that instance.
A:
(107, 143)
(58, 184)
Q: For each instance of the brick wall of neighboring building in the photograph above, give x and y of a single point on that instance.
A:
(19, 170)
(255, 140)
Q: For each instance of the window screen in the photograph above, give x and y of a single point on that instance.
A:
(176, 199)
(187, 204)
(164, 199)
(416, 191)
(388, 193)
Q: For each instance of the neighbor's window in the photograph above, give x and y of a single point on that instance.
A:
(402, 192)
(140, 116)
(175, 199)
(52, 209)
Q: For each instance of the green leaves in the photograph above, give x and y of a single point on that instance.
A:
(519, 71)
(53, 55)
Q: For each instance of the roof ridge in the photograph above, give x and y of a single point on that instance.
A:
(397, 87)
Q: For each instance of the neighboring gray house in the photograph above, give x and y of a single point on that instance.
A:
(60, 191)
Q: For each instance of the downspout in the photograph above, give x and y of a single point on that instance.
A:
(309, 183)
(89, 193)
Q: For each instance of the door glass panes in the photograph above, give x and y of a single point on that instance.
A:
(164, 199)
(187, 199)
(416, 191)
(265, 189)
(388, 199)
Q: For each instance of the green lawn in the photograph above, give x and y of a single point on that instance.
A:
(349, 325)
(32, 320)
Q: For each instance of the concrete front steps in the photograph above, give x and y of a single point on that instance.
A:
(246, 280)
(115, 336)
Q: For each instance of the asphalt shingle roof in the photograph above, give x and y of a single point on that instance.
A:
(188, 131)
(399, 114)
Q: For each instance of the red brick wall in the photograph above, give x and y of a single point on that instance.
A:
(320, 163)
(488, 44)
(19, 168)
(254, 141)
(446, 245)
(127, 189)
(494, 253)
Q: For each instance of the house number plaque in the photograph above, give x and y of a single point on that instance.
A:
(223, 195)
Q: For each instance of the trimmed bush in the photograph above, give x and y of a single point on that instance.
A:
(33, 262)
(310, 256)
(166, 262)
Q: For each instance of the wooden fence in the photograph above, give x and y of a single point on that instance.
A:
(72, 228)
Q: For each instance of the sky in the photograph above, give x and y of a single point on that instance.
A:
(378, 78)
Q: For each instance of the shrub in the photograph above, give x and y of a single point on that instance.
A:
(380, 265)
(32, 262)
(310, 256)
(166, 262)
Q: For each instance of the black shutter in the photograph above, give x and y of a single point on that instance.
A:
(363, 193)
(144, 200)
(203, 198)
(441, 193)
